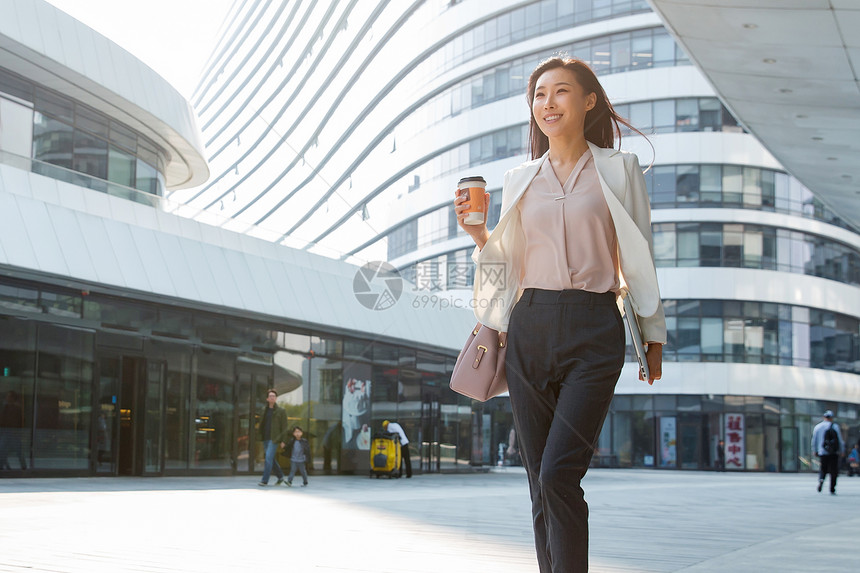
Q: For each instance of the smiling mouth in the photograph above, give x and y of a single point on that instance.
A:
(552, 118)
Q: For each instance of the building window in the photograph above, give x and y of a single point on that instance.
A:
(734, 186)
(74, 137)
(754, 247)
(403, 240)
(528, 22)
(615, 53)
(760, 333)
(677, 115)
(53, 141)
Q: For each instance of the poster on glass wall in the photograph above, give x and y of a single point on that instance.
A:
(668, 442)
(734, 442)
(356, 407)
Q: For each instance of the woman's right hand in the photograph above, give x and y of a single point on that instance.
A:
(479, 233)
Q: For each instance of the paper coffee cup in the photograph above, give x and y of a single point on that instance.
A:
(476, 187)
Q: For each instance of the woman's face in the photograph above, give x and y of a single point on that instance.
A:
(560, 104)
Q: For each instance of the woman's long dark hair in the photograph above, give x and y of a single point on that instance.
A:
(601, 121)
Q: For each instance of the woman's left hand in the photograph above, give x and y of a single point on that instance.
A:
(654, 356)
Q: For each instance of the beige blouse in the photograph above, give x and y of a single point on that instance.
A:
(570, 240)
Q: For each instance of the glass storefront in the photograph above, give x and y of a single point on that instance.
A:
(62, 404)
(760, 433)
(95, 385)
(100, 386)
(683, 432)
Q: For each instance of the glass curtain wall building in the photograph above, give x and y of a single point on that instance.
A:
(345, 126)
(139, 338)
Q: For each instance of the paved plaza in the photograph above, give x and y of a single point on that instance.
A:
(641, 520)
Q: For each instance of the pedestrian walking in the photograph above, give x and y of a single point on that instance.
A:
(721, 456)
(575, 226)
(827, 444)
(300, 453)
(395, 428)
(272, 432)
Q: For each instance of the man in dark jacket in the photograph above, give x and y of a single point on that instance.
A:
(272, 432)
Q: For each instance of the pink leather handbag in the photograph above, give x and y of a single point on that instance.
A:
(480, 369)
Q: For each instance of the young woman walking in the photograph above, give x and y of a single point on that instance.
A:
(575, 227)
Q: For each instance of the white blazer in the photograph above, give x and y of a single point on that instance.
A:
(499, 263)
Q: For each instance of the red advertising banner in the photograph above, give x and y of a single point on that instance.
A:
(735, 451)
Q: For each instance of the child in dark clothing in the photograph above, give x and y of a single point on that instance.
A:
(300, 453)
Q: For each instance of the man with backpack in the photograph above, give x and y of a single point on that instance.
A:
(827, 444)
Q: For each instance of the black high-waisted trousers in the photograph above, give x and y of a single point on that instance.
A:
(565, 353)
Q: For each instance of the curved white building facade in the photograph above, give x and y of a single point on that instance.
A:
(136, 337)
(343, 127)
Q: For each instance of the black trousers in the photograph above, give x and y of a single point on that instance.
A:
(565, 353)
(404, 459)
(829, 465)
